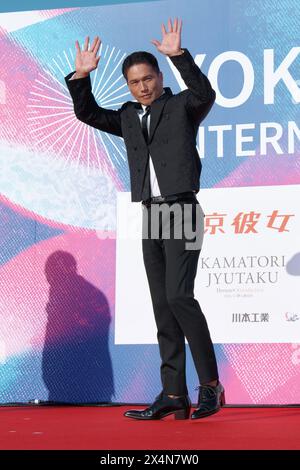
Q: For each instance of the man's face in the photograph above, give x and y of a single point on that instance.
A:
(144, 83)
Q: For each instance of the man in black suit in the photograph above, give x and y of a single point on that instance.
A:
(159, 131)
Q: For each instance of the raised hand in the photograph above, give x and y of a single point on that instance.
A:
(86, 59)
(171, 40)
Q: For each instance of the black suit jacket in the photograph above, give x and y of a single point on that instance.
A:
(173, 128)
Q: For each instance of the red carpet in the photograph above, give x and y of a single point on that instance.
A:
(106, 428)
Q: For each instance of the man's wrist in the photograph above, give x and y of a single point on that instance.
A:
(180, 52)
(79, 75)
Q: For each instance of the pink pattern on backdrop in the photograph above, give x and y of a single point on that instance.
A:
(19, 75)
(261, 171)
(24, 287)
(262, 369)
(51, 223)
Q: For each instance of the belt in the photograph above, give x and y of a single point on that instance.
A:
(171, 198)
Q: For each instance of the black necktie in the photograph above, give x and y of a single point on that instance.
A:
(144, 123)
(146, 193)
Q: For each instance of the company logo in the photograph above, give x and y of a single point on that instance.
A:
(251, 317)
(290, 316)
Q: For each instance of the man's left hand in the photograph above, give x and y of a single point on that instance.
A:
(171, 40)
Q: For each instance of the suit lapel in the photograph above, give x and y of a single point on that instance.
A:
(136, 123)
(156, 110)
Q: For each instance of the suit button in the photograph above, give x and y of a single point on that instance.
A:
(135, 148)
(139, 170)
(163, 163)
(166, 116)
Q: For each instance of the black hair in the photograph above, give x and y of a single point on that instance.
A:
(139, 57)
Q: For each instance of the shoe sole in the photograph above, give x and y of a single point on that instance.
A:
(204, 415)
(144, 418)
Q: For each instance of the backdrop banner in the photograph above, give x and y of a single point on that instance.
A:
(76, 317)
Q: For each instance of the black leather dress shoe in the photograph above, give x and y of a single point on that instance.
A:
(210, 400)
(164, 406)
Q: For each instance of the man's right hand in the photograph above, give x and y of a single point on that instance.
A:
(86, 59)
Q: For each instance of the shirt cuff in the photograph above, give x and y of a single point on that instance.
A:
(71, 78)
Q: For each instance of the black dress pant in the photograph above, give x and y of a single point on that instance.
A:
(171, 270)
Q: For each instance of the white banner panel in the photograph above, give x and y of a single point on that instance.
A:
(248, 272)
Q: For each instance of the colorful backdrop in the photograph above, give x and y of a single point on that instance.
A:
(60, 182)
